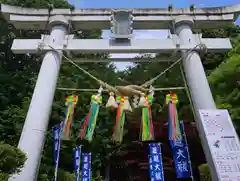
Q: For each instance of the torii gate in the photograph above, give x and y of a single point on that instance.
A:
(121, 22)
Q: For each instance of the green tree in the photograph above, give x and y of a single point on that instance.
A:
(19, 73)
(11, 160)
(205, 174)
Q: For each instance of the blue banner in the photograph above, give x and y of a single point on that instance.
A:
(86, 166)
(182, 162)
(155, 163)
(77, 158)
(56, 130)
(154, 148)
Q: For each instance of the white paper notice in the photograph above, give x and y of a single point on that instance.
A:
(223, 143)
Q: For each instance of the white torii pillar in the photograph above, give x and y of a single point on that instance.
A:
(197, 82)
(34, 131)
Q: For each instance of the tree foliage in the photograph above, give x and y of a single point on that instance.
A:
(18, 75)
(11, 159)
(205, 174)
(225, 80)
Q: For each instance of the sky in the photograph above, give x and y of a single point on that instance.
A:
(147, 34)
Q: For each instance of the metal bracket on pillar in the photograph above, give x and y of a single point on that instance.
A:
(121, 25)
(195, 40)
(46, 41)
(176, 42)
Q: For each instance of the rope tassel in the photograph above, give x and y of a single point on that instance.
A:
(70, 102)
(174, 123)
(147, 125)
(90, 121)
(111, 103)
(142, 102)
(126, 106)
(120, 120)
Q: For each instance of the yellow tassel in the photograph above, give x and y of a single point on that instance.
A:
(111, 103)
(142, 102)
(127, 106)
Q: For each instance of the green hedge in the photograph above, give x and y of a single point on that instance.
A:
(3, 177)
(12, 159)
(205, 174)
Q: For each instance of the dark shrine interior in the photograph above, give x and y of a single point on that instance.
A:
(133, 164)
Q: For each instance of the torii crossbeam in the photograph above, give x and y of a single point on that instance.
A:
(132, 46)
(121, 22)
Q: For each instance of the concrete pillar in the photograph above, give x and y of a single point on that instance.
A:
(196, 78)
(36, 123)
(197, 82)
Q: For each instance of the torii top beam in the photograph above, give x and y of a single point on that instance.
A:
(157, 18)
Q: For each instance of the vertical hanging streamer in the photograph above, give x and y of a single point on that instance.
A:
(181, 157)
(155, 162)
(90, 121)
(120, 119)
(84, 125)
(77, 159)
(147, 125)
(86, 166)
(70, 102)
(177, 139)
(56, 130)
(173, 120)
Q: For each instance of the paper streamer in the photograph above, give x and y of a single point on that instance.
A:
(89, 124)
(71, 102)
(173, 120)
(120, 120)
(146, 121)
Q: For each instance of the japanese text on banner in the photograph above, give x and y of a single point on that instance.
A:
(181, 162)
(77, 158)
(155, 163)
(86, 166)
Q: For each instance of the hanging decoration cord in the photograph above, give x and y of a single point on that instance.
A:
(146, 84)
(150, 82)
(102, 83)
(187, 91)
(95, 90)
(106, 85)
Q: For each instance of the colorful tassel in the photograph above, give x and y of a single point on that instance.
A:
(171, 98)
(174, 123)
(84, 126)
(143, 102)
(120, 119)
(147, 131)
(70, 102)
(90, 121)
(111, 103)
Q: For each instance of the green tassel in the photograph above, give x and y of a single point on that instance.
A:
(118, 134)
(90, 126)
(145, 127)
(178, 131)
